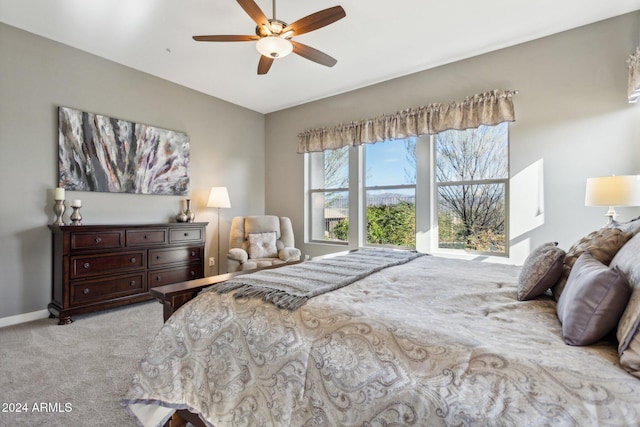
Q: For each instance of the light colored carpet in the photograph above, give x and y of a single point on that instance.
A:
(74, 375)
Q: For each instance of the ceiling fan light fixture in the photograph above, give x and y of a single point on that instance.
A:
(276, 26)
(274, 47)
(266, 31)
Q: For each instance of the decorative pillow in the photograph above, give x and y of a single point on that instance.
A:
(603, 245)
(632, 226)
(541, 270)
(628, 336)
(630, 359)
(592, 302)
(628, 261)
(262, 245)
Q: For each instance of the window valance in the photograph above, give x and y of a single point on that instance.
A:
(634, 76)
(489, 108)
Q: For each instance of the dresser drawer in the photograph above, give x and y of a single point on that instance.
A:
(158, 257)
(97, 240)
(186, 235)
(146, 237)
(82, 266)
(103, 289)
(168, 276)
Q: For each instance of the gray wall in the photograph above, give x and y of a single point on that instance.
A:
(38, 75)
(572, 122)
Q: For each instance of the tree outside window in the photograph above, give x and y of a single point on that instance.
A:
(389, 188)
(390, 193)
(329, 194)
(471, 178)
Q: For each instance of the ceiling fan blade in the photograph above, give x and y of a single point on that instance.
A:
(225, 38)
(254, 11)
(316, 20)
(313, 54)
(264, 64)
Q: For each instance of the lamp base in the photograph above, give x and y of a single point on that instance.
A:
(611, 215)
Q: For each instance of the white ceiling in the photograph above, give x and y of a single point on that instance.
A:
(377, 41)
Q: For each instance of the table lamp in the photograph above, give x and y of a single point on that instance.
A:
(613, 191)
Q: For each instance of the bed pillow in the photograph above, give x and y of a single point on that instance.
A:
(541, 270)
(262, 245)
(603, 245)
(628, 261)
(632, 226)
(592, 302)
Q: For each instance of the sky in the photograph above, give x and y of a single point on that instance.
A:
(386, 163)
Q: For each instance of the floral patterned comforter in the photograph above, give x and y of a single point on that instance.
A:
(434, 342)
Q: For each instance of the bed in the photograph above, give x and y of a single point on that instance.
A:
(430, 341)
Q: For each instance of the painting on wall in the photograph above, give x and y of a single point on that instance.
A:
(98, 153)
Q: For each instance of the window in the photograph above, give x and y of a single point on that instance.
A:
(389, 183)
(390, 193)
(329, 195)
(471, 181)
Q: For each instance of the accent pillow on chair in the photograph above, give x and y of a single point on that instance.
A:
(541, 270)
(262, 245)
(592, 302)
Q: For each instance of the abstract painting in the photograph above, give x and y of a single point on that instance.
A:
(98, 153)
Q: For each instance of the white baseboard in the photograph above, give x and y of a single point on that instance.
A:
(22, 318)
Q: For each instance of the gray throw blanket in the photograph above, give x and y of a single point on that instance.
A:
(291, 286)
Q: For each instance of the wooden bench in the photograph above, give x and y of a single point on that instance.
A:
(174, 296)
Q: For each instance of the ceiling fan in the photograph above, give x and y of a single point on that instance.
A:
(274, 37)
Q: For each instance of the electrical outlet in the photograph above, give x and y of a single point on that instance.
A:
(212, 261)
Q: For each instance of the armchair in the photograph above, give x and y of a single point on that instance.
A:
(260, 241)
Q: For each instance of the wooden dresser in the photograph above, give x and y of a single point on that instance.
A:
(102, 266)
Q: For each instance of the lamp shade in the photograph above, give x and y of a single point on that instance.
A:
(219, 198)
(621, 190)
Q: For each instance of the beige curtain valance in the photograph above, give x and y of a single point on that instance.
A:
(489, 108)
(634, 76)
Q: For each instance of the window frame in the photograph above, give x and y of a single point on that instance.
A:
(364, 189)
(311, 192)
(426, 201)
(435, 240)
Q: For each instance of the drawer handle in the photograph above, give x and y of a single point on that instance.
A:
(157, 256)
(86, 291)
(186, 234)
(86, 265)
(132, 260)
(98, 239)
(132, 283)
(146, 237)
(158, 278)
(193, 253)
(193, 273)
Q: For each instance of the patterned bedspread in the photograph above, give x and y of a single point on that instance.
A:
(434, 342)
